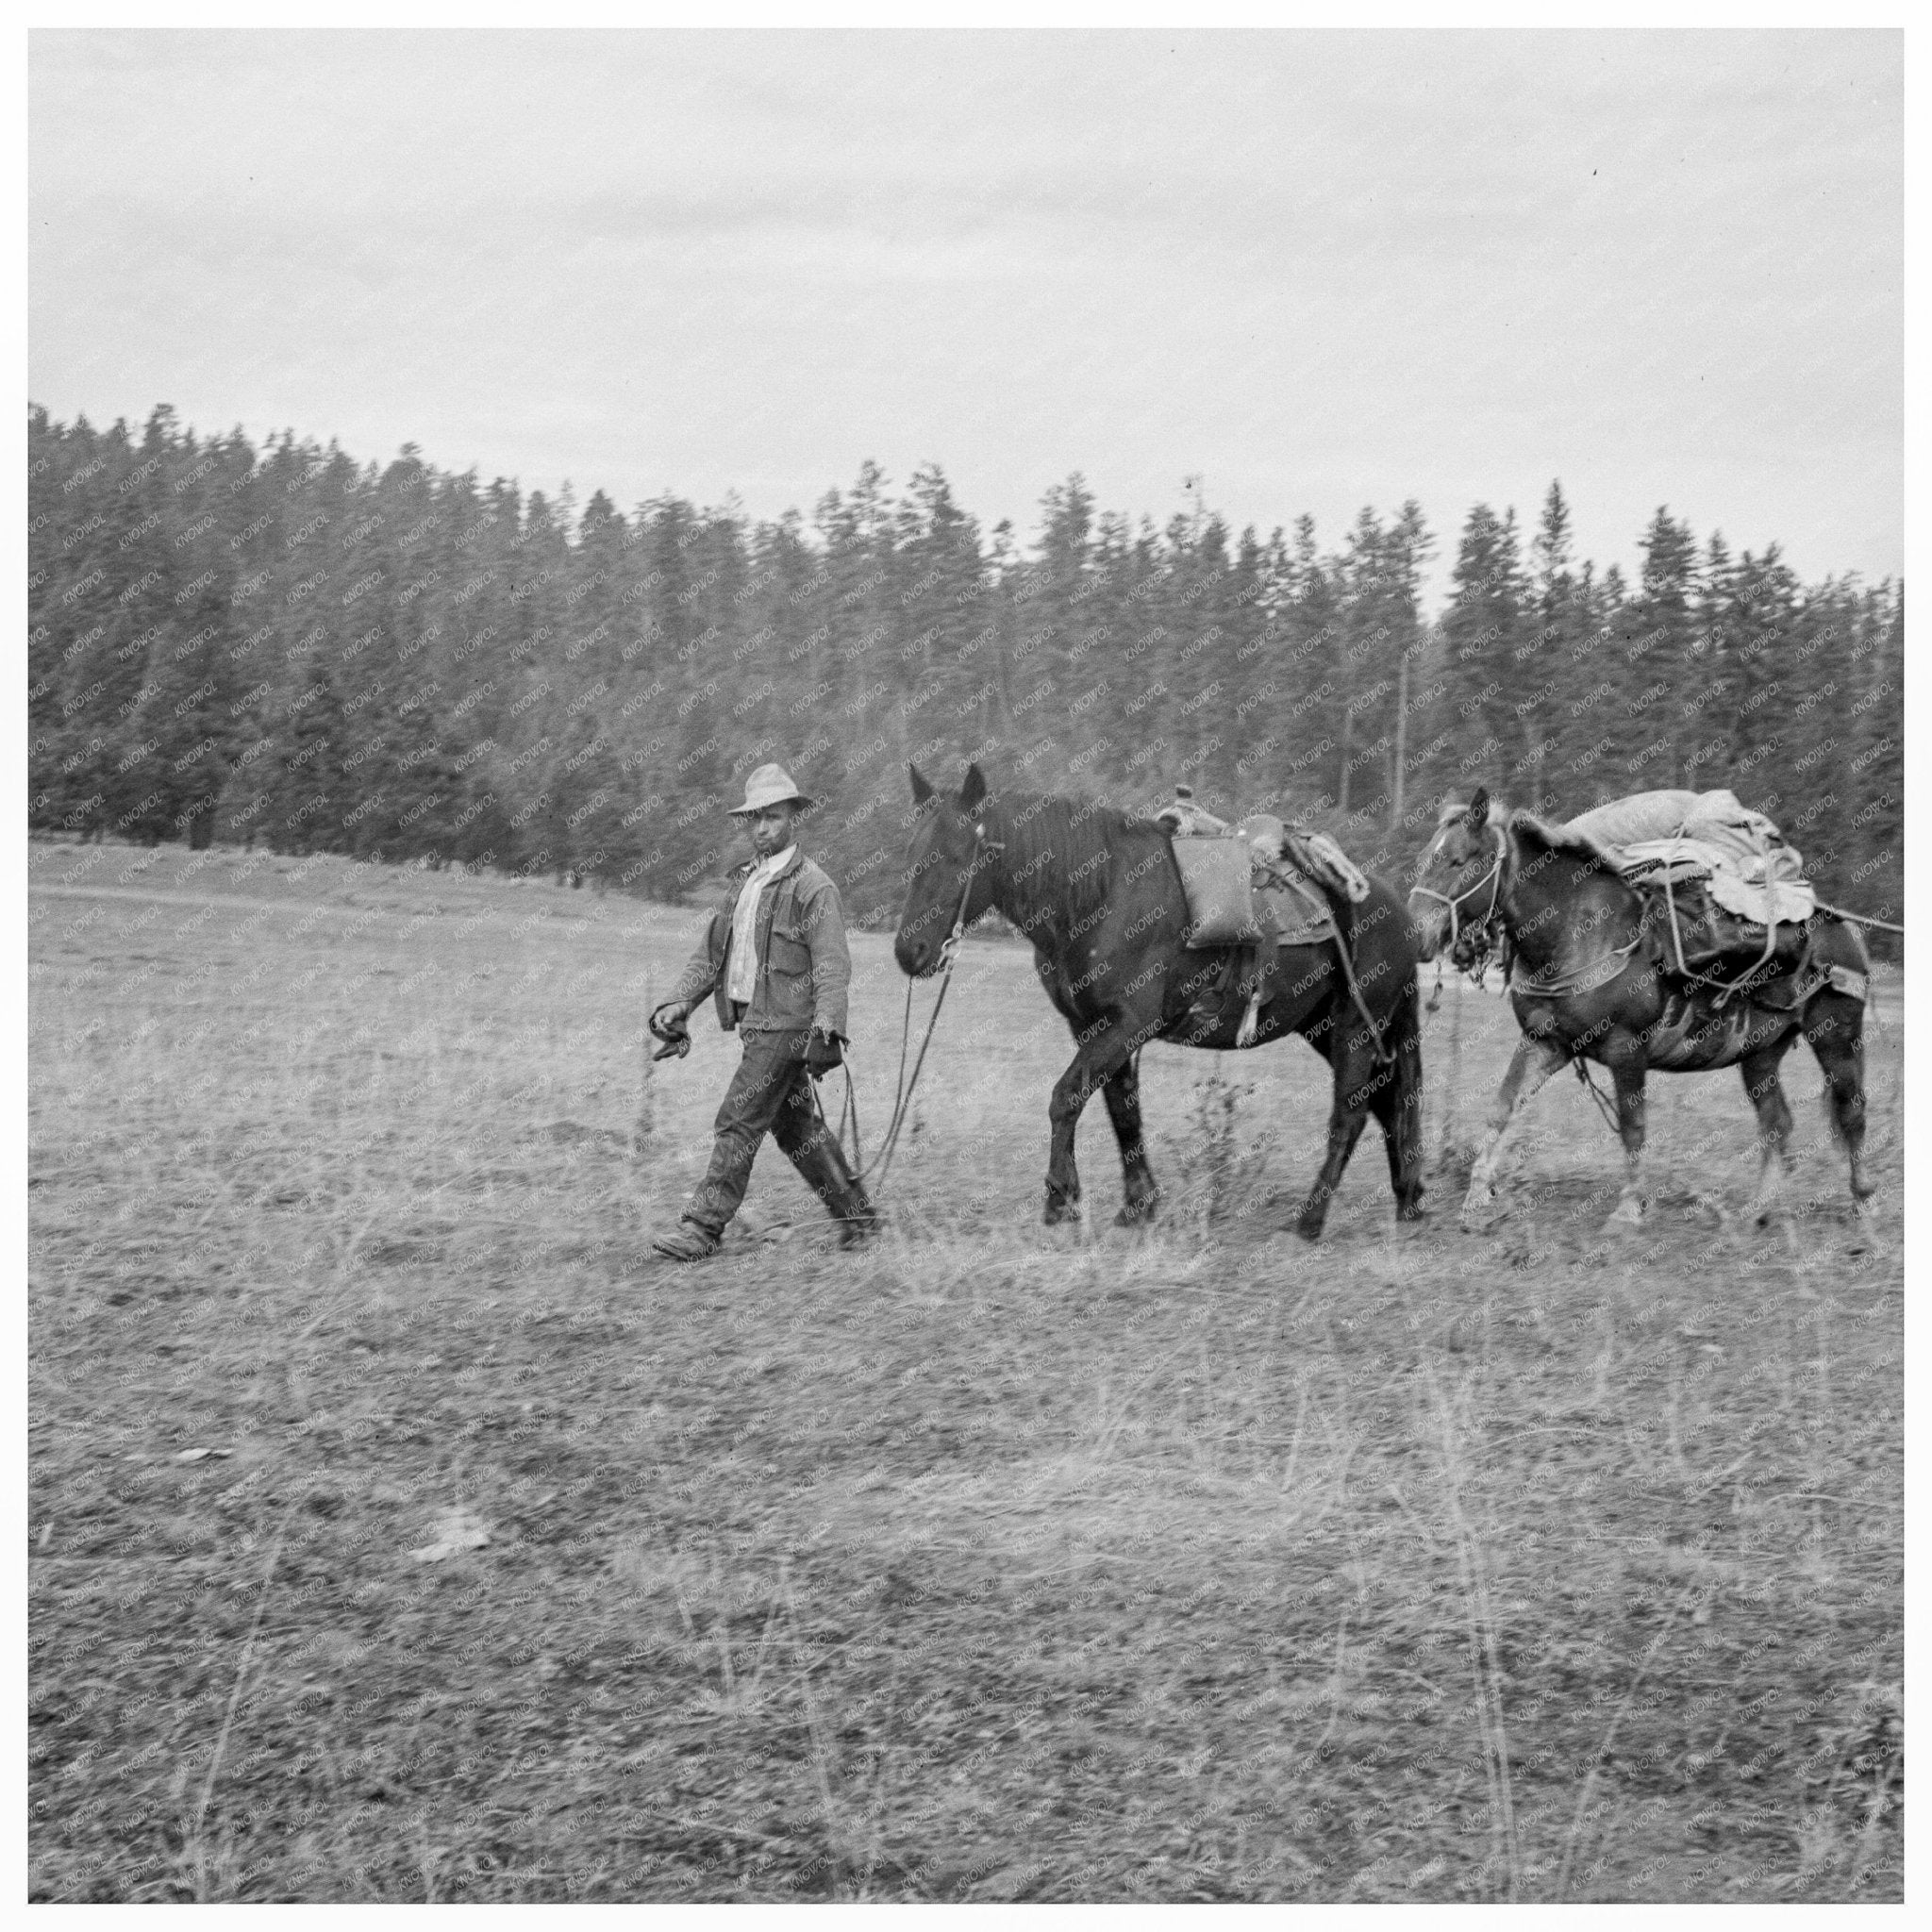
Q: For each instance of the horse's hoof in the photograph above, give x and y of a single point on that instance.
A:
(1481, 1212)
(1627, 1214)
(1710, 1204)
(1310, 1228)
(1135, 1214)
(1413, 1210)
(1058, 1211)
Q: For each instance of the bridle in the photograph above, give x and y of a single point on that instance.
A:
(1493, 879)
(982, 848)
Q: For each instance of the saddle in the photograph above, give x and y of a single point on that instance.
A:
(1256, 886)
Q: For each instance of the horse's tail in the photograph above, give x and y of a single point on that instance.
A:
(1376, 941)
(1405, 1037)
(1377, 931)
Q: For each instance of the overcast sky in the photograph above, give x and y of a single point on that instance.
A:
(1320, 270)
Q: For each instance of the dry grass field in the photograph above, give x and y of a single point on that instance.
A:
(401, 1529)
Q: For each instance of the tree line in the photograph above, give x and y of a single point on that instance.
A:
(231, 643)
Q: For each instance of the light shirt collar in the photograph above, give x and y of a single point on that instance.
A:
(742, 971)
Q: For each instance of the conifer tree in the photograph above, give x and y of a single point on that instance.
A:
(1481, 632)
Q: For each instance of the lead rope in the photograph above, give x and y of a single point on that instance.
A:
(1245, 1037)
(904, 1087)
(1383, 1053)
(1603, 1107)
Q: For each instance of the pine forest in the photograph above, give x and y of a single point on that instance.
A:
(283, 646)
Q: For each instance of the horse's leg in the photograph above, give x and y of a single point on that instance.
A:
(1142, 1192)
(1530, 1068)
(1093, 1064)
(1767, 1093)
(1354, 1061)
(1345, 1125)
(1398, 1108)
(1627, 1064)
(1834, 1025)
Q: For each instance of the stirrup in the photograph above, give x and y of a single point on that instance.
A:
(1251, 1020)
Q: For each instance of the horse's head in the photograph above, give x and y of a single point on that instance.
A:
(1458, 878)
(945, 871)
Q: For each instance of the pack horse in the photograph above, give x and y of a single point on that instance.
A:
(1100, 896)
(1601, 971)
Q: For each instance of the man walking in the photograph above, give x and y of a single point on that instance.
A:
(775, 960)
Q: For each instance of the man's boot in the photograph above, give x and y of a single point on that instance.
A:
(858, 1219)
(822, 1165)
(689, 1241)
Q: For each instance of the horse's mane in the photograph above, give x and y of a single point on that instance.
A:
(1455, 808)
(1059, 854)
(1523, 821)
(1560, 838)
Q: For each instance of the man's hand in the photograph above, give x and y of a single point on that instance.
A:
(823, 1050)
(666, 1026)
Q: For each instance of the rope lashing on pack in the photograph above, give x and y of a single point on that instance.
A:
(1748, 982)
(1579, 982)
(1861, 918)
(1726, 988)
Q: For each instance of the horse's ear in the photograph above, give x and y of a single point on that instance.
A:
(973, 793)
(921, 789)
(1478, 816)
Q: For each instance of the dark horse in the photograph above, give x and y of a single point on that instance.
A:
(1099, 895)
(1588, 984)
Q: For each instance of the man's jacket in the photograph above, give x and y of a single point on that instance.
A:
(804, 968)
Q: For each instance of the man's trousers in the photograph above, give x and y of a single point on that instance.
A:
(771, 1093)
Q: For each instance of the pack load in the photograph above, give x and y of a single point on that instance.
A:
(1256, 884)
(1731, 893)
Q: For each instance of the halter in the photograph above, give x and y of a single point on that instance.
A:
(1493, 879)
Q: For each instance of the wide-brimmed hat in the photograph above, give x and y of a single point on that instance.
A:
(768, 785)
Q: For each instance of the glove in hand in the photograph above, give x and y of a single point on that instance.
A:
(667, 1027)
